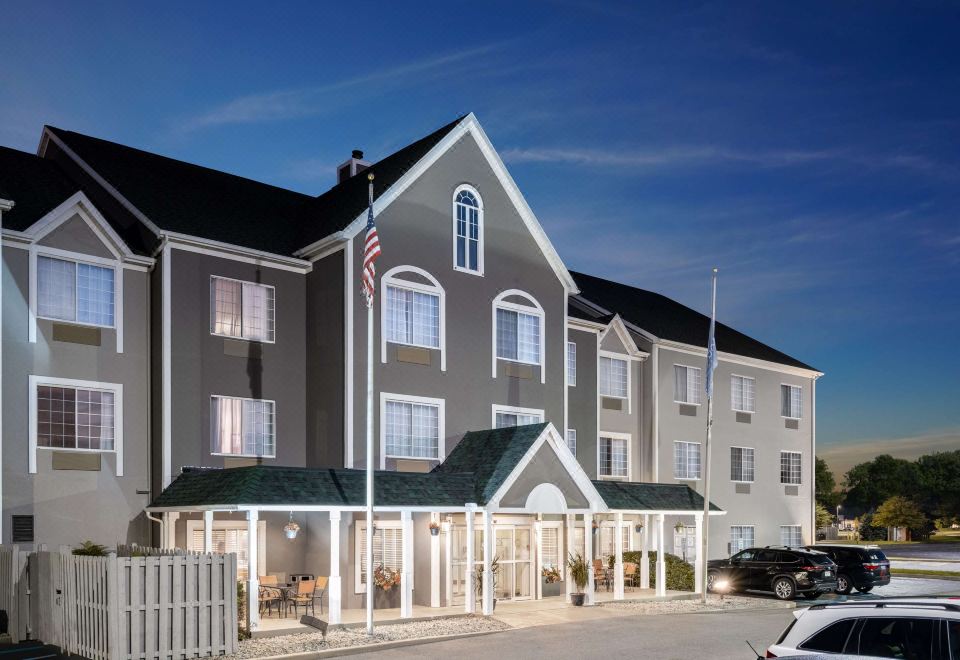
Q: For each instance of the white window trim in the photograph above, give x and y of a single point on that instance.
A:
(390, 278)
(796, 387)
(561, 541)
(245, 398)
(699, 451)
(535, 309)
(616, 436)
(213, 310)
(730, 537)
(453, 216)
(622, 358)
(441, 405)
(359, 548)
(571, 382)
(735, 409)
(194, 526)
(754, 450)
(687, 366)
(798, 453)
(799, 527)
(116, 388)
(566, 439)
(497, 408)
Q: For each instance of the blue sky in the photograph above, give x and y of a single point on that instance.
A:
(809, 151)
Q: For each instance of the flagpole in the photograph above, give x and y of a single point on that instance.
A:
(711, 344)
(371, 530)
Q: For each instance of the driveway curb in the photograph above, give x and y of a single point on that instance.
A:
(380, 646)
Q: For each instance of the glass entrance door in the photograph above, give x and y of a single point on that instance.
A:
(514, 552)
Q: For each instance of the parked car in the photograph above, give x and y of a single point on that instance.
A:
(858, 566)
(915, 628)
(785, 571)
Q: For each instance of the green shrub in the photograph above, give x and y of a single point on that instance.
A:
(870, 532)
(91, 549)
(243, 631)
(680, 574)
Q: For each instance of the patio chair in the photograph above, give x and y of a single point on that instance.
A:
(268, 580)
(320, 591)
(267, 597)
(303, 595)
(600, 573)
(630, 574)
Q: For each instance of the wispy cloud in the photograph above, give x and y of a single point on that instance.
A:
(843, 457)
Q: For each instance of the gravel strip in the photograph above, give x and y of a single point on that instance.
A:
(342, 638)
(714, 604)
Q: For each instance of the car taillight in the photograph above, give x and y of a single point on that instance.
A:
(871, 567)
(769, 655)
(809, 568)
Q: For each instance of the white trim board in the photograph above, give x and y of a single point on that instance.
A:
(440, 404)
(497, 408)
(392, 278)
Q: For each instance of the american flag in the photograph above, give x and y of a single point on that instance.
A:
(371, 252)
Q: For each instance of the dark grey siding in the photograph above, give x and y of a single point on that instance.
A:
(582, 400)
(325, 363)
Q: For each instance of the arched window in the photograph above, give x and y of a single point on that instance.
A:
(467, 230)
(518, 333)
(412, 311)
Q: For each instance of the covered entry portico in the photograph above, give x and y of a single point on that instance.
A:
(512, 497)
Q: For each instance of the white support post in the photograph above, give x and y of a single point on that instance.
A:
(644, 556)
(253, 580)
(406, 578)
(661, 561)
(571, 550)
(434, 563)
(618, 556)
(698, 562)
(170, 542)
(470, 602)
(588, 556)
(448, 561)
(335, 583)
(538, 554)
(208, 531)
(487, 560)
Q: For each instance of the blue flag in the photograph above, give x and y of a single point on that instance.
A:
(712, 341)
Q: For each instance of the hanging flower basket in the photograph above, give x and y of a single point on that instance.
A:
(639, 528)
(434, 529)
(291, 529)
(386, 579)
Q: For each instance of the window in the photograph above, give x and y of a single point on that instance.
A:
(613, 457)
(75, 418)
(387, 549)
(741, 393)
(242, 427)
(686, 460)
(413, 317)
(608, 539)
(791, 401)
(231, 537)
(791, 536)
(741, 537)
(74, 291)
(571, 363)
(504, 416)
(889, 637)
(244, 310)
(518, 336)
(831, 639)
(412, 427)
(686, 385)
(550, 548)
(790, 467)
(468, 231)
(572, 441)
(613, 377)
(741, 464)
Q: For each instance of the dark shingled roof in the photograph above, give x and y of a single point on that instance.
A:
(490, 456)
(626, 495)
(35, 185)
(668, 319)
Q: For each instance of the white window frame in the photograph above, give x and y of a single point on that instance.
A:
(753, 400)
(744, 481)
(244, 398)
(572, 363)
(441, 404)
(534, 309)
(76, 259)
(391, 278)
(213, 310)
(116, 388)
(799, 529)
(514, 410)
(193, 526)
(699, 453)
(629, 442)
(360, 547)
(568, 437)
(792, 387)
(799, 482)
(696, 390)
(611, 527)
(561, 540)
(629, 363)
(753, 544)
(480, 218)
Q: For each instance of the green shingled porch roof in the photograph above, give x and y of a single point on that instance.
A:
(633, 496)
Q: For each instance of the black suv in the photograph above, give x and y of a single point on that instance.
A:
(785, 571)
(860, 566)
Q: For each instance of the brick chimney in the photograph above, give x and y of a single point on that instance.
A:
(354, 165)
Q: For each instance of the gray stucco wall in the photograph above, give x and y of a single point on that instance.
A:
(70, 506)
(544, 467)
(630, 417)
(582, 400)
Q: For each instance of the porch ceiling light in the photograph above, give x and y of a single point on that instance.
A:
(639, 527)
(291, 529)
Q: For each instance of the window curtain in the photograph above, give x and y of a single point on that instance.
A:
(56, 289)
(227, 426)
(412, 430)
(227, 296)
(613, 377)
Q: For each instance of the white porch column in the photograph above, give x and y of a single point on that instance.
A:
(208, 531)
(571, 550)
(661, 561)
(170, 530)
(253, 580)
(644, 557)
(487, 559)
(470, 589)
(434, 563)
(335, 583)
(588, 556)
(406, 578)
(448, 561)
(618, 556)
(698, 562)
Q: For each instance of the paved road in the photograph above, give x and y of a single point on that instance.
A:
(923, 550)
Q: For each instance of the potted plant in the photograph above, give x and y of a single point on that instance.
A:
(478, 581)
(384, 581)
(551, 578)
(580, 573)
(434, 529)
(678, 527)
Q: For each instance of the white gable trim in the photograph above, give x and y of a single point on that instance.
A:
(617, 326)
(468, 125)
(552, 438)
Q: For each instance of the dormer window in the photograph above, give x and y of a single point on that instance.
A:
(467, 231)
(74, 291)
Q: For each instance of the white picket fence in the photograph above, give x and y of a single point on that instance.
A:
(131, 608)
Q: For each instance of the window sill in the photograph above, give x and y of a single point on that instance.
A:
(213, 453)
(686, 403)
(529, 364)
(77, 323)
(611, 478)
(391, 342)
(782, 483)
(461, 269)
(735, 481)
(79, 450)
(744, 412)
(247, 339)
(792, 419)
(687, 478)
(410, 458)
